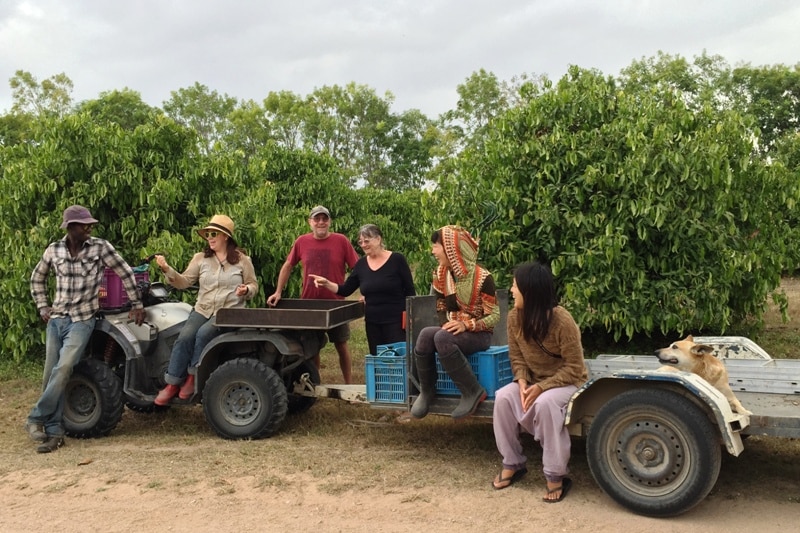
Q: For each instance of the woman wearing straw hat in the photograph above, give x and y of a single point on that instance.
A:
(226, 278)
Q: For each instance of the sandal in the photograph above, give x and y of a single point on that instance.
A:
(566, 484)
(510, 480)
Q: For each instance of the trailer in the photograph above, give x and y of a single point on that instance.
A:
(654, 439)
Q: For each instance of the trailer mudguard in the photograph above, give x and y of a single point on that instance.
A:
(599, 389)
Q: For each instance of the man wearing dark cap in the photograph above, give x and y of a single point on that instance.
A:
(78, 262)
(323, 253)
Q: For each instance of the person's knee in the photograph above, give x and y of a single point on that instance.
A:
(444, 341)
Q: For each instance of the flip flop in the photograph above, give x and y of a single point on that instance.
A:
(566, 484)
(513, 478)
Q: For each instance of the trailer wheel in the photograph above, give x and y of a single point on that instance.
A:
(654, 452)
(244, 398)
(92, 400)
(298, 403)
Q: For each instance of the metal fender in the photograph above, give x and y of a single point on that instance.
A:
(588, 399)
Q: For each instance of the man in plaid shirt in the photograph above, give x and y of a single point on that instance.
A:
(77, 261)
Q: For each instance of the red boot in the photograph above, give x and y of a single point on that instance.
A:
(187, 389)
(166, 395)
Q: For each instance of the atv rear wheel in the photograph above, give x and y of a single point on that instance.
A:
(244, 398)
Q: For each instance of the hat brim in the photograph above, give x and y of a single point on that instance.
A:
(89, 220)
(215, 227)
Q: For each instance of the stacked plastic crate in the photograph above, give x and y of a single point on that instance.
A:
(387, 374)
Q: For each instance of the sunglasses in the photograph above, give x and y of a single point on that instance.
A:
(211, 234)
(88, 227)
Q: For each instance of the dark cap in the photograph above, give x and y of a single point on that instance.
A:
(79, 214)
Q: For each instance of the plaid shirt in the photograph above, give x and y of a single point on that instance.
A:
(78, 278)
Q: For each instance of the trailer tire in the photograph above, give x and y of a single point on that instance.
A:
(654, 451)
(244, 399)
(92, 400)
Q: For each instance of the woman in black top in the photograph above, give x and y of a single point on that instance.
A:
(385, 281)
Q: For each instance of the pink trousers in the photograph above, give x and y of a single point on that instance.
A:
(544, 420)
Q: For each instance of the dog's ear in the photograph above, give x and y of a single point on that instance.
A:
(689, 339)
(702, 349)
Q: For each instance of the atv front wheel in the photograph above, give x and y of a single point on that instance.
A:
(92, 401)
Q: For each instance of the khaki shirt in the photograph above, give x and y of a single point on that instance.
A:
(217, 282)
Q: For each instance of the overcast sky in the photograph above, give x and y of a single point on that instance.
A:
(419, 50)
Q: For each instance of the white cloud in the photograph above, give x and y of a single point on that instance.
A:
(420, 51)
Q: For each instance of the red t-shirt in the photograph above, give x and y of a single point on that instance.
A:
(322, 257)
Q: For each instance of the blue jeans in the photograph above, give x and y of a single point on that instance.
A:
(195, 335)
(65, 345)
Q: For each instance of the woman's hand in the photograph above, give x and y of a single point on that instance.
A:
(241, 290)
(319, 281)
(528, 394)
(455, 327)
(162, 263)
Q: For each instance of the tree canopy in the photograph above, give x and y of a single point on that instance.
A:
(664, 198)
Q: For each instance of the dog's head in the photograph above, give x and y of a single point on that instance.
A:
(683, 354)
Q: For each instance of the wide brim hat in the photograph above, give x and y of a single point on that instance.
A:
(77, 214)
(220, 223)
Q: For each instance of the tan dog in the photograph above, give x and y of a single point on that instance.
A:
(699, 359)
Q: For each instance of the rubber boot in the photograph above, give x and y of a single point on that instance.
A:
(426, 372)
(187, 389)
(166, 395)
(460, 371)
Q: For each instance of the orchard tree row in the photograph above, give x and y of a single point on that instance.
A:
(664, 198)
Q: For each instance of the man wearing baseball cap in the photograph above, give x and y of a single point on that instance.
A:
(77, 261)
(323, 253)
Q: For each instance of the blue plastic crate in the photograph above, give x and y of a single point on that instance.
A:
(491, 366)
(386, 377)
(397, 348)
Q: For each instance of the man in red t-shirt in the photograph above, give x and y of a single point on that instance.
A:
(323, 253)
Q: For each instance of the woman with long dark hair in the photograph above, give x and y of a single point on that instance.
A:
(544, 346)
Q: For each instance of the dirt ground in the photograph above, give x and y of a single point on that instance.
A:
(112, 484)
(51, 500)
(170, 473)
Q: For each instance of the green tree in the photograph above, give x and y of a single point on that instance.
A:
(139, 184)
(205, 111)
(125, 108)
(654, 216)
(52, 96)
(772, 95)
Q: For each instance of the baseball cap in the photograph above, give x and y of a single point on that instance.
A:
(320, 210)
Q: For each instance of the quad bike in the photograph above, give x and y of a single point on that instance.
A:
(245, 379)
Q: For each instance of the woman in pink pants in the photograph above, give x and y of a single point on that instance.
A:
(544, 346)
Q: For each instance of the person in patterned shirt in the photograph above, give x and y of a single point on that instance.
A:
(466, 301)
(77, 261)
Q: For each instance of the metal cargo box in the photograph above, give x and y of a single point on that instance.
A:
(294, 313)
